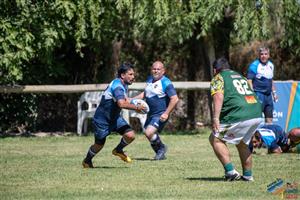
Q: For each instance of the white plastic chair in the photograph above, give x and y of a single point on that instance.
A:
(86, 108)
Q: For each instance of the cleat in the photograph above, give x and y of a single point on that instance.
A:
(247, 178)
(233, 177)
(160, 154)
(122, 155)
(86, 164)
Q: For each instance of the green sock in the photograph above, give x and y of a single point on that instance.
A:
(228, 167)
(298, 148)
(247, 172)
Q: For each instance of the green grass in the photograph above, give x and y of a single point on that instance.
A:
(50, 168)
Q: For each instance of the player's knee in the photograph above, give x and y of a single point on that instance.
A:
(212, 139)
(149, 134)
(130, 135)
(99, 142)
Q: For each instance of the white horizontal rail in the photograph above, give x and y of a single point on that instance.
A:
(188, 85)
(184, 85)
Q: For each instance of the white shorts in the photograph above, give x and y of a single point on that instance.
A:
(234, 133)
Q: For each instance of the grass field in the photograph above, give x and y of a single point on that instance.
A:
(50, 168)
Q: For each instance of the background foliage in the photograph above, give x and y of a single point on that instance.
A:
(82, 41)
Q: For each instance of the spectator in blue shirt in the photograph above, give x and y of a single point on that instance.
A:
(260, 78)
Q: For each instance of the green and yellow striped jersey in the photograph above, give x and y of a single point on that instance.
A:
(240, 102)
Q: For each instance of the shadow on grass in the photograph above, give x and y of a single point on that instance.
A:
(107, 167)
(143, 159)
(205, 179)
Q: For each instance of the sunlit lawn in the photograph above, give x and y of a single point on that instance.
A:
(50, 168)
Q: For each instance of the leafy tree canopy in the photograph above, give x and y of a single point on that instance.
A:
(32, 30)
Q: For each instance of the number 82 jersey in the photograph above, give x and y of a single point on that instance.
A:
(240, 102)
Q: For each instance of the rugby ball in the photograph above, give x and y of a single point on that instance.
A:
(138, 102)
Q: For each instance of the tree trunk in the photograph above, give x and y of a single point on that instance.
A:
(198, 69)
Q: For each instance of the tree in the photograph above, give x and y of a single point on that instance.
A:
(81, 41)
(206, 29)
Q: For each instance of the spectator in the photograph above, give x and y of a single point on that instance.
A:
(260, 78)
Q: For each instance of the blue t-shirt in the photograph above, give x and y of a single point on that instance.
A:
(108, 109)
(273, 136)
(158, 94)
(261, 76)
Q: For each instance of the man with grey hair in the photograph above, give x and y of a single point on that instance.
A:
(260, 78)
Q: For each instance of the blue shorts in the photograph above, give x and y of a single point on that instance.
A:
(266, 101)
(104, 128)
(154, 121)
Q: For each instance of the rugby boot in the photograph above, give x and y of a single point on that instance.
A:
(122, 155)
(161, 153)
(247, 178)
(232, 177)
(87, 164)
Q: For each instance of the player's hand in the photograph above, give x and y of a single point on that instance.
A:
(140, 108)
(216, 125)
(164, 117)
(275, 97)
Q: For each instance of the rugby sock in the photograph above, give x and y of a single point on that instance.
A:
(121, 145)
(155, 142)
(90, 154)
(229, 168)
(247, 172)
(247, 175)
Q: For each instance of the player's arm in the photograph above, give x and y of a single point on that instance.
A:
(172, 104)
(171, 92)
(276, 151)
(123, 102)
(218, 99)
(217, 93)
(274, 94)
(251, 75)
(250, 83)
(274, 148)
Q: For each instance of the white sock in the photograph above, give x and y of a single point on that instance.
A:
(250, 178)
(232, 172)
(153, 138)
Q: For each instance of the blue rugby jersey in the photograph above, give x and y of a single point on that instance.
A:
(261, 76)
(158, 94)
(108, 108)
(273, 136)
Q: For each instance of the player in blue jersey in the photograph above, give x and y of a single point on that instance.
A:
(260, 78)
(107, 117)
(274, 138)
(162, 98)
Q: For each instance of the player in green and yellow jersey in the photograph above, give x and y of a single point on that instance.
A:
(236, 116)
